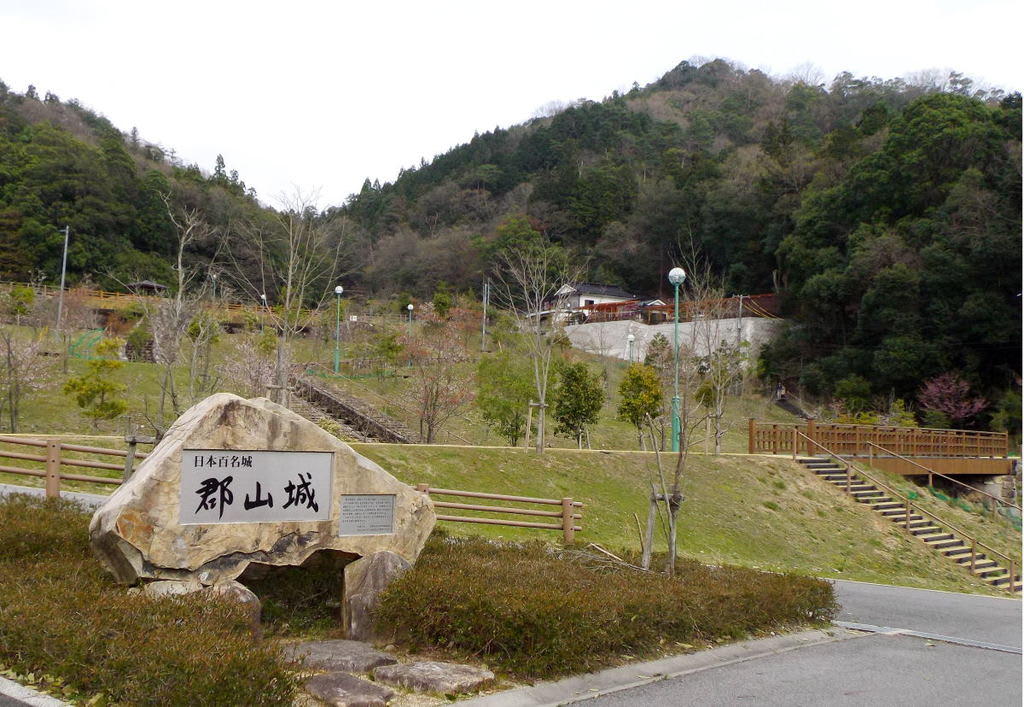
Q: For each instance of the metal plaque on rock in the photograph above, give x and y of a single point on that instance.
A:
(367, 514)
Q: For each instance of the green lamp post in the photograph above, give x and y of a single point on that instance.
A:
(676, 276)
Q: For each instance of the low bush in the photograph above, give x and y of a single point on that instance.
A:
(538, 612)
(63, 617)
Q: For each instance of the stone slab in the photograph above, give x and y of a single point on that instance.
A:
(365, 579)
(349, 656)
(435, 676)
(344, 690)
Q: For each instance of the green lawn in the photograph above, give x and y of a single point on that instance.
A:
(754, 511)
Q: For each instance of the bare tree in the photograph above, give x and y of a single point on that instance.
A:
(707, 366)
(169, 317)
(289, 263)
(203, 331)
(250, 364)
(532, 282)
(715, 361)
(22, 369)
(443, 384)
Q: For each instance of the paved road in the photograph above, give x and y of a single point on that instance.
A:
(990, 619)
(871, 668)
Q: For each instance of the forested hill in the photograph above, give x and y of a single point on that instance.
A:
(62, 164)
(888, 213)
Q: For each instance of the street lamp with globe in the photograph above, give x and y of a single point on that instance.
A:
(337, 327)
(676, 276)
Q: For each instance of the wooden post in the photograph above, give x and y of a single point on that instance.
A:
(810, 437)
(568, 532)
(423, 488)
(529, 422)
(1013, 575)
(53, 469)
(972, 554)
(796, 442)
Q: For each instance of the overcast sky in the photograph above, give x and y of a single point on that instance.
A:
(321, 95)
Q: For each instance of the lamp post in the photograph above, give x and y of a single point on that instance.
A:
(337, 327)
(630, 338)
(676, 276)
(409, 307)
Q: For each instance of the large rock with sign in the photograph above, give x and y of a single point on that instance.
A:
(240, 482)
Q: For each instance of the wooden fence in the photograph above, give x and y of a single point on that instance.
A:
(855, 440)
(54, 459)
(569, 512)
(51, 463)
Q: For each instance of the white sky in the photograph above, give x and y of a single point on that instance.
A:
(320, 95)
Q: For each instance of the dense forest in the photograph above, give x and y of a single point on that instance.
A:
(886, 212)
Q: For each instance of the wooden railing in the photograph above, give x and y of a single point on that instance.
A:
(911, 507)
(117, 299)
(570, 511)
(932, 473)
(853, 440)
(52, 461)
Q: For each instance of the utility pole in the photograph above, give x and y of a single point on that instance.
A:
(63, 272)
(483, 326)
(739, 324)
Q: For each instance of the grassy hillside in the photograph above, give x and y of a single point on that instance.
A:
(396, 395)
(754, 511)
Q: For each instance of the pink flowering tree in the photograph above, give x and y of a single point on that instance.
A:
(950, 395)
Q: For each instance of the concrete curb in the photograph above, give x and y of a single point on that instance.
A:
(89, 500)
(584, 687)
(27, 695)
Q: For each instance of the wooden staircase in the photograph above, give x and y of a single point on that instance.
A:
(943, 541)
(362, 418)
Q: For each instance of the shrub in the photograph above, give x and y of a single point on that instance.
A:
(539, 612)
(62, 616)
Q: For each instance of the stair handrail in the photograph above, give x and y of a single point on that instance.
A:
(932, 472)
(911, 507)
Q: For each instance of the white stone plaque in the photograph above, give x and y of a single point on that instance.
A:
(246, 486)
(367, 514)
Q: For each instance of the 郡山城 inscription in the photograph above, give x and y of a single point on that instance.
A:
(242, 486)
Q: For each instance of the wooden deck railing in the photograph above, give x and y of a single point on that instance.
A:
(50, 463)
(911, 507)
(570, 511)
(854, 440)
(932, 473)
